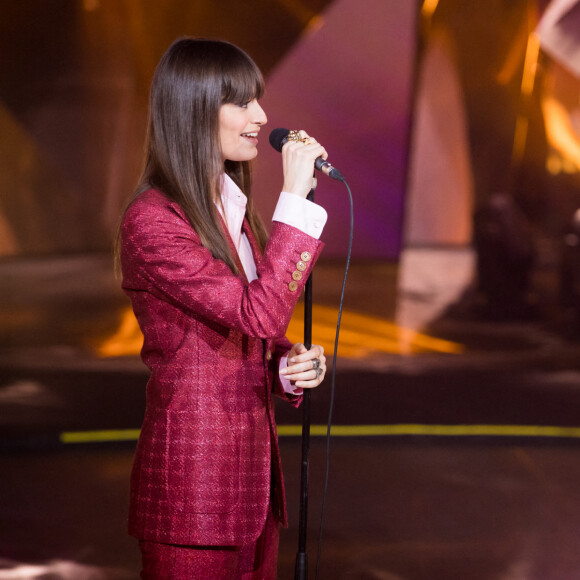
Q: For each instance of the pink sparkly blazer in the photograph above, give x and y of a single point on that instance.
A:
(207, 461)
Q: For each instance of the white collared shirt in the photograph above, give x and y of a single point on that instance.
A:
(292, 210)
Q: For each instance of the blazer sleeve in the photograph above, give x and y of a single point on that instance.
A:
(162, 254)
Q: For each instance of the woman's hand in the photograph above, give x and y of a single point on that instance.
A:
(306, 368)
(298, 159)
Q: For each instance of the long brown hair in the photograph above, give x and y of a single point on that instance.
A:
(193, 79)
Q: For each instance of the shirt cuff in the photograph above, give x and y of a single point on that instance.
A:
(300, 213)
(286, 384)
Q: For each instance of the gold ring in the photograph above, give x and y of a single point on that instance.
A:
(294, 136)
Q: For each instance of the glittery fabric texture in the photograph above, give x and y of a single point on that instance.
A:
(255, 561)
(207, 461)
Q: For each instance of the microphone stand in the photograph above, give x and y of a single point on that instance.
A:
(301, 567)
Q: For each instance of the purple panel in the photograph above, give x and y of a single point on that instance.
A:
(348, 83)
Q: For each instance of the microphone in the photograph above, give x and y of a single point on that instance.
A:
(279, 137)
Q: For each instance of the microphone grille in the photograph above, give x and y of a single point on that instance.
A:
(278, 137)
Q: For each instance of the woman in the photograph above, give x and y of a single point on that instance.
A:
(213, 296)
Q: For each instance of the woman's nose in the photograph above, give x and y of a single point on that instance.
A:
(259, 115)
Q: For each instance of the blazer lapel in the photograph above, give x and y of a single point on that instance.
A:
(253, 242)
(233, 250)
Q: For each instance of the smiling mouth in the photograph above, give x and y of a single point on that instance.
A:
(250, 135)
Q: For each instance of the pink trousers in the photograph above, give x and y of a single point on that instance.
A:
(256, 561)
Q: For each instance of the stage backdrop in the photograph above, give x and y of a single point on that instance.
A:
(348, 82)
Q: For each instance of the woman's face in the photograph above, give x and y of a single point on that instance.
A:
(239, 128)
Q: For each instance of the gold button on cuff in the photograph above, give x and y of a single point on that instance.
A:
(293, 286)
(301, 266)
(305, 256)
(296, 275)
(268, 355)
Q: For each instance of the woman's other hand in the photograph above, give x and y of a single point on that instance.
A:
(306, 368)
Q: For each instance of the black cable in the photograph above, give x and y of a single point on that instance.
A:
(332, 384)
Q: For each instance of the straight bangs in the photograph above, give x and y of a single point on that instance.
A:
(243, 82)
